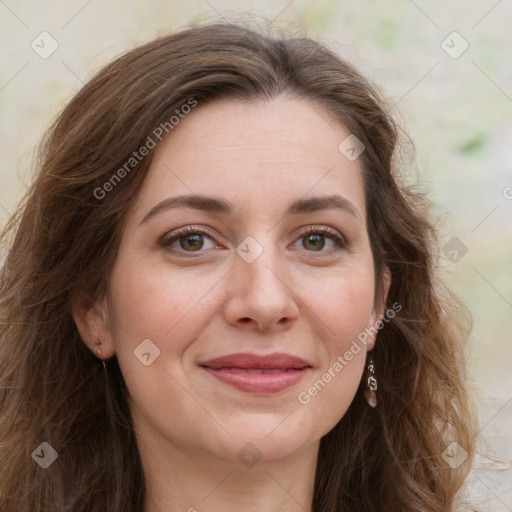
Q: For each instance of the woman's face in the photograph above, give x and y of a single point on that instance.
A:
(243, 276)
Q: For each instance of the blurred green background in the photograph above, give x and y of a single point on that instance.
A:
(455, 103)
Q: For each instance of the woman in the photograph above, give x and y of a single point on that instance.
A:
(218, 217)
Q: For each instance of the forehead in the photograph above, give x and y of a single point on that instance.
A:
(278, 150)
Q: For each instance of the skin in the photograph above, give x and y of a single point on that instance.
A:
(296, 297)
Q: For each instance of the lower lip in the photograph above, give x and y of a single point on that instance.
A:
(258, 382)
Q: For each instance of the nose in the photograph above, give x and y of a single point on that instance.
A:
(259, 295)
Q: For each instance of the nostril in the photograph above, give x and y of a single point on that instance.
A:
(245, 320)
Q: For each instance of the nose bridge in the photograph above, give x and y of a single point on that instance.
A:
(258, 264)
(263, 275)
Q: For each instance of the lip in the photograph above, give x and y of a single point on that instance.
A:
(253, 373)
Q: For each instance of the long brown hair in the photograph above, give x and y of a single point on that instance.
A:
(64, 237)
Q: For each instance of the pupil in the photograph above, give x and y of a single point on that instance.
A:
(316, 241)
(193, 242)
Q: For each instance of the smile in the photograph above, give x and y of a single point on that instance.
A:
(259, 374)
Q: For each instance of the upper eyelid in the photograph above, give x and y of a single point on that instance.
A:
(304, 231)
(189, 229)
(331, 233)
(203, 230)
(320, 229)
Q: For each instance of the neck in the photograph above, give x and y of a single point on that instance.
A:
(195, 482)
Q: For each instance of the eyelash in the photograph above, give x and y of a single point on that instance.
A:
(329, 233)
(170, 238)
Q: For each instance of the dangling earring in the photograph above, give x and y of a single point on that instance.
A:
(99, 355)
(371, 382)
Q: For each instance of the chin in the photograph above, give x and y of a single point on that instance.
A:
(267, 439)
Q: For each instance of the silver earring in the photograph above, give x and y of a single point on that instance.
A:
(99, 355)
(371, 382)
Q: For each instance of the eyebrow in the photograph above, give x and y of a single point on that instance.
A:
(203, 203)
(313, 204)
(221, 206)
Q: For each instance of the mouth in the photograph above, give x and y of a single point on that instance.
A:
(260, 374)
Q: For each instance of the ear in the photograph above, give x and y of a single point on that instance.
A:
(379, 306)
(92, 321)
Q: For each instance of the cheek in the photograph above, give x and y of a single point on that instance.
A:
(344, 306)
(170, 312)
(149, 303)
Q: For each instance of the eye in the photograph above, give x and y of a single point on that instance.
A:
(187, 240)
(321, 239)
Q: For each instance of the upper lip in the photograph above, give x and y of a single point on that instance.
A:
(252, 361)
